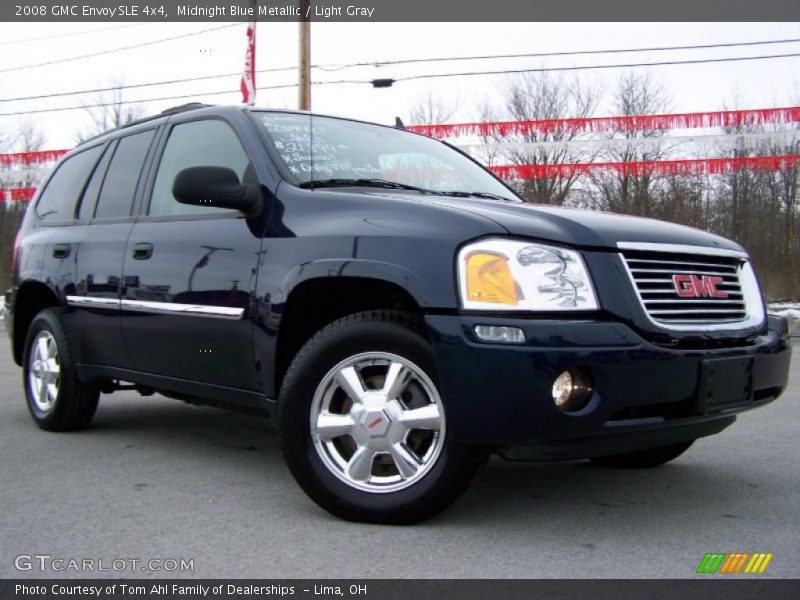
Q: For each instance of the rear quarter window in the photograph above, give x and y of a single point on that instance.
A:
(63, 190)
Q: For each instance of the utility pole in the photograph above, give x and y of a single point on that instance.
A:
(304, 82)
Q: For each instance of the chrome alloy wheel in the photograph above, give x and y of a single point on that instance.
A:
(377, 422)
(44, 371)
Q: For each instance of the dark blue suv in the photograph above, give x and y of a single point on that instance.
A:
(392, 304)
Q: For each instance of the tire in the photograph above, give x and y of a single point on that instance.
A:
(56, 398)
(364, 460)
(643, 459)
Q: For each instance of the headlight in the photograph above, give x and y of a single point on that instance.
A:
(499, 274)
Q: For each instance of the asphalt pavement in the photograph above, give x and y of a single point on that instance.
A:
(155, 478)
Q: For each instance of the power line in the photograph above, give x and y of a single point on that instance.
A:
(181, 97)
(71, 34)
(552, 54)
(389, 82)
(114, 50)
(339, 67)
(140, 85)
(585, 68)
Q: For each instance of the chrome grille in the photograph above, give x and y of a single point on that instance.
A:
(652, 274)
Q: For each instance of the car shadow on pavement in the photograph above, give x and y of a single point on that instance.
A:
(501, 492)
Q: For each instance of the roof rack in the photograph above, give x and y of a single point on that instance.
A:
(183, 108)
(169, 111)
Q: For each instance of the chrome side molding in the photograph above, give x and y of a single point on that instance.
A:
(189, 310)
(94, 302)
(161, 308)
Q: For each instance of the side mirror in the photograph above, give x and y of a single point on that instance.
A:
(216, 186)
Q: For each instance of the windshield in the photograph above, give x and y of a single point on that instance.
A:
(348, 151)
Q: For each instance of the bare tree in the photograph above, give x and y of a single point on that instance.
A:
(636, 93)
(488, 151)
(30, 138)
(6, 139)
(431, 110)
(542, 96)
(785, 190)
(109, 110)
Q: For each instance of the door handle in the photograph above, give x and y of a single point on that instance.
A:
(61, 250)
(142, 251)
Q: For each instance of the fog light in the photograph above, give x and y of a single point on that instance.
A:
(492, 333)
(572, 390)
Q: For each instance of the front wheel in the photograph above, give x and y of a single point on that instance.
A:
(364, 428)
(644, 459)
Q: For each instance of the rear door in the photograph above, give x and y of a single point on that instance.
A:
(107, 205)
(58, 233)
(190, 270)
(52, 246)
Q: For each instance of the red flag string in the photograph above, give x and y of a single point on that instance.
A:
(17, 194)
(720, 118)
(703, 166)
(30, 158)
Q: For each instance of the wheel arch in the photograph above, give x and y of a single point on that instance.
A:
(316, 302)
(30, 298)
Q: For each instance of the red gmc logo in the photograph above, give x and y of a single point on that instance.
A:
(698, 286)
(374, 423)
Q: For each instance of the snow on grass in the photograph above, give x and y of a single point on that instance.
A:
(790, 310)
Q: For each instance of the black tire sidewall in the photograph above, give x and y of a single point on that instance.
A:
(431, 493)
(60, 415)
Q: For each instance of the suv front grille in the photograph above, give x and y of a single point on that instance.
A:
(712, 287)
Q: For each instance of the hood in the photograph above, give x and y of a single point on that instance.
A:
(581, 227)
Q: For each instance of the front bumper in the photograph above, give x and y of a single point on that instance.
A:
(645, 395)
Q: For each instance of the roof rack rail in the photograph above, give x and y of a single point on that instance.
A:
(183, 108)
(170, 111)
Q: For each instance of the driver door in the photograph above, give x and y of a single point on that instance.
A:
(190, 271)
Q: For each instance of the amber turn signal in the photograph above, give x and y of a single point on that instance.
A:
(489, 279)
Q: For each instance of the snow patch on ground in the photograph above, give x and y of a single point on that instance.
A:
(790, 310)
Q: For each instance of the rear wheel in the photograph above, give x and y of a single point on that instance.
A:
(644, 459)
(57, 399)
(364, 426)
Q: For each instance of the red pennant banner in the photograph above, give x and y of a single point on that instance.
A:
(30, 158)
(701, 166)
(720, 118)
(17, 194)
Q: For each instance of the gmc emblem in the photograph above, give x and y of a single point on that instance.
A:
(698, 286)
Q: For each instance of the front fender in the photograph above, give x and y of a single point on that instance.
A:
(363, 269)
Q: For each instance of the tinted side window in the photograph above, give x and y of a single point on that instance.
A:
(197, 144)
(57, 202)
(119, 185)
(92, 190)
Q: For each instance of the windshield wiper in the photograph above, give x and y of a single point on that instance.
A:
(379, 183)
(476, 195)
